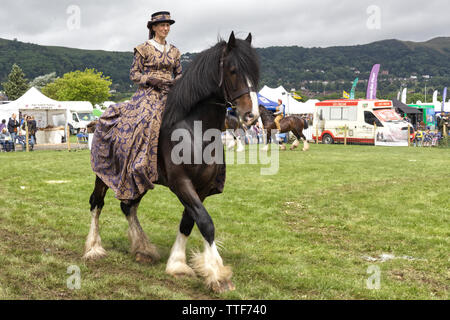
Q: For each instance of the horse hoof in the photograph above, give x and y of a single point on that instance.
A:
(146, 258)
(181, 270)
(95, 253)
(223, 286)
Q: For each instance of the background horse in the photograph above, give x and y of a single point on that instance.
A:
(292, 123)
(233, 127)
(219, 76)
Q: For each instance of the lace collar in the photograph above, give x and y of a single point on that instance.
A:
(159, 46)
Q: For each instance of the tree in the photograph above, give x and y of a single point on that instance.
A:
(42, 81)
(87, 85)
(17, 84)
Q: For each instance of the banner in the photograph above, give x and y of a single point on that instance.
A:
(444, 96)
(391, 133)
(372, 85)
(345, 95)
(352, 92)
(435, 93)
(404, 95)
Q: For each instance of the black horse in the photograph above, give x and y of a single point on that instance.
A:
(292, 123)
(223, 75)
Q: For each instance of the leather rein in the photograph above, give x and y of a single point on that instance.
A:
(235, 94)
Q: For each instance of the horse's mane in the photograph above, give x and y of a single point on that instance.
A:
(201, 79)
(266, 113)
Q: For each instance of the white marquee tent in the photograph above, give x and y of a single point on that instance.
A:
(292, 106)
(45, 110)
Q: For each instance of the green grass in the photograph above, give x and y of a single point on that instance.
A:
(304, 233)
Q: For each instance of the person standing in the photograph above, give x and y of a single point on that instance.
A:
(13, 127)
(124, 147)
(2, 125)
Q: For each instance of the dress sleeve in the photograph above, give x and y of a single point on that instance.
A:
(137, 68)
(177, 70)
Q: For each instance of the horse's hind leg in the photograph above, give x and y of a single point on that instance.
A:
(141, 247)
(93, 246)
(176, 265)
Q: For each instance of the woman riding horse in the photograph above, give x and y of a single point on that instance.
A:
(291, 123)
(225, 74)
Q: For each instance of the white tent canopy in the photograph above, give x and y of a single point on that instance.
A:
(45, 110)
(292, 106)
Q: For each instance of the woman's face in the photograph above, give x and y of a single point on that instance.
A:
(161, 29)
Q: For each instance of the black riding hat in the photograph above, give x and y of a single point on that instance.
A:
(160, 16)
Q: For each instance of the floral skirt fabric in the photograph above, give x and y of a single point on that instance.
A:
(125, 144)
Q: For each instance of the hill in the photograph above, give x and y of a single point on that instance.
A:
(315, 69)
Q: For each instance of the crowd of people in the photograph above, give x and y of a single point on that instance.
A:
(425, 137)
(14, 132)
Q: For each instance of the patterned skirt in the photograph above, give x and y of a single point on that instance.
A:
(125, 144)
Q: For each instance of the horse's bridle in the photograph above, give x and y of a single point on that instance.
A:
(230, 98)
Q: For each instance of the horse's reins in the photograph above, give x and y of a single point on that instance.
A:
(229, 98)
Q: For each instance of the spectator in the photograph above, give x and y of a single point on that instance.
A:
(427, 137)
(32, 128)
(418, 139)
(5, 140)
(2, 125)
(436, 137)
(22, 139)
(13, 127)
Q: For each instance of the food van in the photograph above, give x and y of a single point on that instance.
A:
(360, 122)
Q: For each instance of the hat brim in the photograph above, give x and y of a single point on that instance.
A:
(150, 23)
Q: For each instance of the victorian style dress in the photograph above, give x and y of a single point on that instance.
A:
(124, 147)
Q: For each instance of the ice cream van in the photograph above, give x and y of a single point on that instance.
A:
(361, 122)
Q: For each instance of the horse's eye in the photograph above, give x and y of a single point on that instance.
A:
(233, 70)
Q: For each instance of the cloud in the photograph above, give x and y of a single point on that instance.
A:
(120, 25)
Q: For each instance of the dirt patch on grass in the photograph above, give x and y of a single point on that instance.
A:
(29, 261)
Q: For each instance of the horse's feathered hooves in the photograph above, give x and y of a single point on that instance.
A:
(217, 277)
(94, 253)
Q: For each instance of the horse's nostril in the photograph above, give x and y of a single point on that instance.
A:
(250, 115)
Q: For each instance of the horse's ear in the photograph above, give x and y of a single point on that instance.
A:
(231, 41)
(249, 38)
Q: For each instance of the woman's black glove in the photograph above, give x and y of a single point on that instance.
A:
(155, 83)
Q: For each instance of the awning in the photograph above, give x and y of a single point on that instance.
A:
(404, 108)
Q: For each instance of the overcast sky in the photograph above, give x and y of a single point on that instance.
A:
(115, 25)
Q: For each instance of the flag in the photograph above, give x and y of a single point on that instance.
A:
(444, 96)
(404, 92)
(435, 93)
(345, 95)
(352, 92)
(296, 96)
(372, 84)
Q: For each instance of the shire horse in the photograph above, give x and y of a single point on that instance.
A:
(224, 74)
(292, 123)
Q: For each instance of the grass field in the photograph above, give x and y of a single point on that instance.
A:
(312, 231)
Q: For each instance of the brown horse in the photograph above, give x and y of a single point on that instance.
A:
(223, 75)
(293, 123)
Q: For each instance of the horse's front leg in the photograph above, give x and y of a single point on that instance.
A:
(176, 265)
(209, 263)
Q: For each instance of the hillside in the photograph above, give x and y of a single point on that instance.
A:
(292, 67)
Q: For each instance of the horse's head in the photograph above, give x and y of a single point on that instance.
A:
(239, 75)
